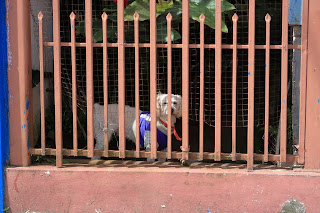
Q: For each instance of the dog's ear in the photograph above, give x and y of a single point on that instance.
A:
(179, 106)
(159, 104)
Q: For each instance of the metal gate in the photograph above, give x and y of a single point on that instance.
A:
(185, 46)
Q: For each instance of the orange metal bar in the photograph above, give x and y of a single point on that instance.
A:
(284, 82)
(153, 77)
(185, 80)
(74, 84)
(42, 103)
(89, 74)
(303, 81)
(136, 17)
(201, 111)
(266, 123)
(234, 88)
(57, 80)
(104, 18)
(206, 46)
(121, 79)
(218, 58)
(169, 58)
(251, 71)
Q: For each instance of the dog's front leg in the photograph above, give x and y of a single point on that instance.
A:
(163, 159)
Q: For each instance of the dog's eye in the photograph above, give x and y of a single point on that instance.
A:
(174, 102)
(165, 102)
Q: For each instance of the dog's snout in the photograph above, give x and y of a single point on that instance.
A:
(172, 110)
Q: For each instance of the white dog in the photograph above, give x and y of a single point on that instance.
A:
(144, 122)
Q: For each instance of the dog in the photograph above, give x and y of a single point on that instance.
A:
(144, 123)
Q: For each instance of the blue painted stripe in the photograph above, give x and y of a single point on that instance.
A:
(4, 123)
(295, 12)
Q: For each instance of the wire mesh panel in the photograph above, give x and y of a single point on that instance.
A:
(241, 8)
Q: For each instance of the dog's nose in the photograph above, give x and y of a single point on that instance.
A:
(172, 110)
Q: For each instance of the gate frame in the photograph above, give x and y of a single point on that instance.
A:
(20, 66)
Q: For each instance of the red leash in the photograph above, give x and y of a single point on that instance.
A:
(172, 127)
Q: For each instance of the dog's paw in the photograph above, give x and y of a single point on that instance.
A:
(184, 162)
(96, 158)
(162, 160)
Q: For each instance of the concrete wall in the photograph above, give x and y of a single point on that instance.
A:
(120, 188)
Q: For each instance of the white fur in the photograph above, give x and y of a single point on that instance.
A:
(130, 121)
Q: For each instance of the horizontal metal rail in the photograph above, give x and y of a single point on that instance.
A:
(195, 46)
(175, 155)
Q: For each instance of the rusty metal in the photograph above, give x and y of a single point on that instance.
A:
(218, 59)
(169, 61)
(42, 103)
(121, 78)
(284, 82)
(267, 83)
(251, 72)
(104, 18)
(153, 77)
(57, 80)
(303, 81)
(201, 113)
(137, 98)
(185, 79)
(234, 87)
(89, 75)
(74, 84)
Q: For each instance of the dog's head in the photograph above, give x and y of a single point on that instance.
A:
(162, 105)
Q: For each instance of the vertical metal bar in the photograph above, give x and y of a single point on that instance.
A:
(169, 58)
(284, 82)
(136, 17)
(57, 80)
(234, 87)
(121, 79)
(218, 58)
(89, 74)
(104, 18)
(267, 83)
(251, 71)
(153, 77)
(42, 103)
(74, 83)
(303, 81)
(24, 70)
(185, 80)
(201, 111)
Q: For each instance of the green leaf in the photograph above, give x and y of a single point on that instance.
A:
(164, 5)
(97, 31)
(176, 13)
(196, 10)
(211, 4)
(139, 6)
(109, 10)
(162, 34)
